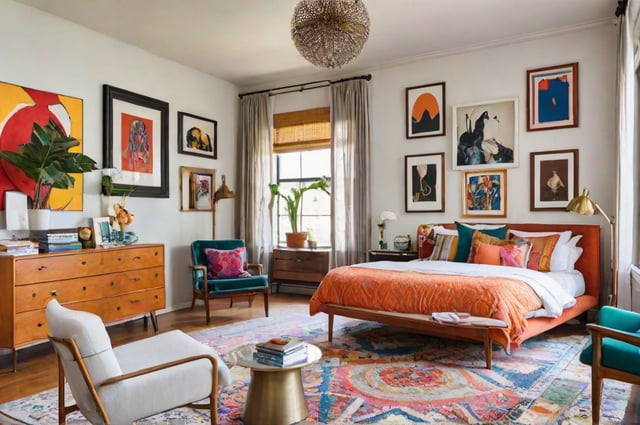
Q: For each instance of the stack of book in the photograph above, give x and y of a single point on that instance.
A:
(281, 352)
(18, 247)
(55, 240)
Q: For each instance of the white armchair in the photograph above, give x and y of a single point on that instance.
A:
(123, 384)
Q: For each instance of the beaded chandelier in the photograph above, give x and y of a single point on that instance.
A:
(329, 33)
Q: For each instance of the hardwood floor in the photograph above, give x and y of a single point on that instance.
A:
(37, 366)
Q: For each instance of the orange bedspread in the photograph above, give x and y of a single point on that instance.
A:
(414, 292)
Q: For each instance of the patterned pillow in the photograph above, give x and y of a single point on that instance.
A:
(445, 247)
(541, 250)
(465, 234)
(226, 264)
(515, 255)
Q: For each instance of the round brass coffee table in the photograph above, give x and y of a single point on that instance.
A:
(276, 394)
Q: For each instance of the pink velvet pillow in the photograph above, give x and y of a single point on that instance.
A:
(225, 264)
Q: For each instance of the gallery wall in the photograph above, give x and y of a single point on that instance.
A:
(48, 53)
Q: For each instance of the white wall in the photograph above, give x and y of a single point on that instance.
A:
(44, 52)
(47, 53)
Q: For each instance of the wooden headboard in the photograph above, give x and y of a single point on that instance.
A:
(588, 263)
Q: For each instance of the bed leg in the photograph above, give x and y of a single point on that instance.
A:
(487, 350)
(330, 327)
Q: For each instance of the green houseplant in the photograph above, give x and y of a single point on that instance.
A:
(47, 161)
(295, 239)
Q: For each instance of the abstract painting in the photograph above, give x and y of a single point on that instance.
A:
(425, 110)
(485, 135)
(485, 194)
(552, 97)
(20, 108)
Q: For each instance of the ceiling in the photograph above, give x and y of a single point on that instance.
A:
(247, 42)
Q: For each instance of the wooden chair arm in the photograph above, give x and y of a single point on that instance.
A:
(598, 331)
(199, 267)
(258, 268)
(148, 370)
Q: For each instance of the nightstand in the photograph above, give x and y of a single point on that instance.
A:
(390, 255)
(298, 267)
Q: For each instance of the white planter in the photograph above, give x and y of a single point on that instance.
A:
(39, 219)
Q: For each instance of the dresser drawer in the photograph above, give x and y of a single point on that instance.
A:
(44, 268)
(114, 260)
(36, 296)
(133, 304)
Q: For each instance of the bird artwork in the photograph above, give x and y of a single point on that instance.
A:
(555, 184)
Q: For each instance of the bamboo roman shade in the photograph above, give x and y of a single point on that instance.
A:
(302, 130)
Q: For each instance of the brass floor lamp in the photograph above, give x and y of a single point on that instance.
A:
(584, 205)
(223, 192)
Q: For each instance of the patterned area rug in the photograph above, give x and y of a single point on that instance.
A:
(375, 374)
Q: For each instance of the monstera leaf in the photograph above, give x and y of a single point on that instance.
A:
(46, 160)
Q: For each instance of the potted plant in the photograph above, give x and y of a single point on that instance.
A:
(47, 161)
(295, 239)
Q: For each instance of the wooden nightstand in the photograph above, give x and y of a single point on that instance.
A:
(390, 255)
(299, 267)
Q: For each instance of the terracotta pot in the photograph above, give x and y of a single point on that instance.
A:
(296, 239)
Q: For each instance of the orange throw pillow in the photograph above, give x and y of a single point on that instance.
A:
(482, 238)
(484, 253)
(541, 250)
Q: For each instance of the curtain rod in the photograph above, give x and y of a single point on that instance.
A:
(303, 86)
(622, 6)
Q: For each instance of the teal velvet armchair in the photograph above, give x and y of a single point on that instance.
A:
(614, 352)
(210, 282)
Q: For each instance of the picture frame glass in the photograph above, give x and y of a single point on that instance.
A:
(485, 194)
(424, 183)
(485, 135)
(197, 135)
(554, 179)
(425, 111)
(552, 97)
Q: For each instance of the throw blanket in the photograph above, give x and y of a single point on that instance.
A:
(503, 293)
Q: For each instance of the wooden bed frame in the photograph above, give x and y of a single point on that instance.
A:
(588, 264)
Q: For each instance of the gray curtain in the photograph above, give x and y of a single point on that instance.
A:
(256, 173)
(350, 179)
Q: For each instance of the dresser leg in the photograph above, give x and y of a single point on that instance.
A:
(154, 320)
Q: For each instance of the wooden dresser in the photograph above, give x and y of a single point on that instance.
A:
(302, 267)
(115, 283)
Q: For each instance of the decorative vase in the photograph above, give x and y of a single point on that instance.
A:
(39, 219)
(296, 239)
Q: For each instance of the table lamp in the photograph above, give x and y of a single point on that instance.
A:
(384, 216)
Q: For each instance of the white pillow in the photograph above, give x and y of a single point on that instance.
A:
(560, 254)
(441, 230)
(574, 252)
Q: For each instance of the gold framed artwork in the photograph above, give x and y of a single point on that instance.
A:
(196, 189)
(554, 179)
(485, 194)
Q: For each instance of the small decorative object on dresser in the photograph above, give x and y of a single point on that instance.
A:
(402, 242)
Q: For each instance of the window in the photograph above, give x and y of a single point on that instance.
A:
(302, 141)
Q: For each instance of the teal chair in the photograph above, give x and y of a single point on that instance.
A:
(614, 352)
(207, 289)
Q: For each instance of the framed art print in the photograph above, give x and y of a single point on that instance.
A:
(102, 231)
(485, 135)
(196, 189)
(424, 182)
(485, 194)
(197, 135)
(425, 110)
(552, 97)
(136, 135)
(554, 179)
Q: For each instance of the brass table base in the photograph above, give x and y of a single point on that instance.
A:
(275, 397)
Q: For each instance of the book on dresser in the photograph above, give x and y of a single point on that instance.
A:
(57, 247)
(18, 247)
(56, 235)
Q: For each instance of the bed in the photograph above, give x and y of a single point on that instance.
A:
(379, 293)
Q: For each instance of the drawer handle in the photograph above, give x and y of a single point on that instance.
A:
(40, 324)
(135, 278)
(156, 297)
(84, 288)
(134, 301)
(137, 257)
(113, 283)
(84, 263)
(41, 268)
(54, 292)
(118, 308)
(33, 295)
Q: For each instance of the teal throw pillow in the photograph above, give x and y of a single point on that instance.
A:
(465, 234)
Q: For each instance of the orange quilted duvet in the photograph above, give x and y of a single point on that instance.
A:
(414, 292)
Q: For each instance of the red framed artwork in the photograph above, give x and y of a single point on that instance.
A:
(20, 108)
(136, 135)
